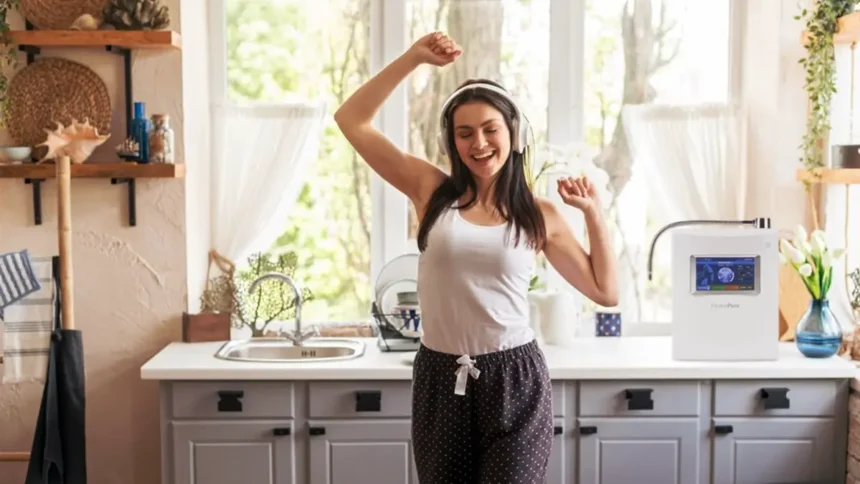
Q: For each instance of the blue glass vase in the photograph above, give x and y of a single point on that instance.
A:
(818, 334)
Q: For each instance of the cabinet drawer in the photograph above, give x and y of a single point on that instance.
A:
(360, 399)
(232, 399)
(776, 397)
(639, 397)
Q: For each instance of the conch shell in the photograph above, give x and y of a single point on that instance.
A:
(77, 141)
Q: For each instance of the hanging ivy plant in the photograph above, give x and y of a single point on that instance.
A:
(819, 64)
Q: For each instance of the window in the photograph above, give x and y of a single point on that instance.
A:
(277, 49)
(666, 51)
(570, 64)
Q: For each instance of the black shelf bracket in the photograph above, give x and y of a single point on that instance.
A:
(126, 68)
(37, 198)
(129, 114)
(132, 198)
(32, 51)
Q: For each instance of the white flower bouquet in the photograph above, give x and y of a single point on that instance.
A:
(812, 258)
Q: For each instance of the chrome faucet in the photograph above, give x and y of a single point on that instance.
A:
(297, 336)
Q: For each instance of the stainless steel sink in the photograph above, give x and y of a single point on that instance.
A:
(278, 350)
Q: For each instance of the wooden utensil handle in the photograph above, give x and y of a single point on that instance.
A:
(64, 231)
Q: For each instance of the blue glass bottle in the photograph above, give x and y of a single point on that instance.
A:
(140, 128)
(818, 334)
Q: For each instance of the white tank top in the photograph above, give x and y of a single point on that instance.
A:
(473, 286)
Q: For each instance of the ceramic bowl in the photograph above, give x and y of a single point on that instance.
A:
(14, 153)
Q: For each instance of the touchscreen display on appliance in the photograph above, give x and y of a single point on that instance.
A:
(719, 274)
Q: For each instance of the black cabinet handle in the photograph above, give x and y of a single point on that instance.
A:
(368, 401)
(588, 430)
(317, 430)
(723, 429)
(775, 398)
(230, 400)
(639, 399)
(557, 430)
(281, 431)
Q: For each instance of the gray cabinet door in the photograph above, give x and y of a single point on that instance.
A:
(627, 450)
(229, 451)
(562, 459)
(353, 451)
(783, 450)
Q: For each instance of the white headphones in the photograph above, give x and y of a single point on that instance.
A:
(523, 126)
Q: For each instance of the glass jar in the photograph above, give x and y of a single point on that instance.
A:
(161, 143)
(818, 333)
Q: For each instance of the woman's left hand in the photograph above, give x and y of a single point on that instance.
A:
(579, 193)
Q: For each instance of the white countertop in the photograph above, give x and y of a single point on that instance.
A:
(586, 359)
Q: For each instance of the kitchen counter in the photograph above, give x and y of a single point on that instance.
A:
(622, 358)
(349, 421)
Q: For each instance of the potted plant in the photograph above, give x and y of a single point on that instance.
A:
(818, 333)
(822, 23)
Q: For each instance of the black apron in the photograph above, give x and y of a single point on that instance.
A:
(58, 455)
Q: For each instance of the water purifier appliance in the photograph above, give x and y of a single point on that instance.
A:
(725, 290)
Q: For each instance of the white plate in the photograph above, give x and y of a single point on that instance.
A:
(402, 268)
(399, 275)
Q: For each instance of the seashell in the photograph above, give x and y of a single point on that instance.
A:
(85, 22)
(77, 141)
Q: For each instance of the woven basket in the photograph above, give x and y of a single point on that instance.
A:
(52, 90)
(60, 14)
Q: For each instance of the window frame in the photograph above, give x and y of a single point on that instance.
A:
(389, 37)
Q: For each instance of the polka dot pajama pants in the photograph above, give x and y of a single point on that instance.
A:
(499, 431)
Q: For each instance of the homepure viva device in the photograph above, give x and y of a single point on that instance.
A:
(725, 290)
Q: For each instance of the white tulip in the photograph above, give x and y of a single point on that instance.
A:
(805, 270)
(819, 242)
(783, 260)
(791, 252)
(799, 233)
(826, 260)
(836, 253)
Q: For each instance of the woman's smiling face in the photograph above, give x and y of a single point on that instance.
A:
(482, 138)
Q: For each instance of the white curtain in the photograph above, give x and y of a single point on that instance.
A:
(260, 157)
(693, 156)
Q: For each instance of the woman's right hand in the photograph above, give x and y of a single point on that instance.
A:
(435, 48)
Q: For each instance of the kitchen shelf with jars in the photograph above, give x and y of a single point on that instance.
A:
(47, 117)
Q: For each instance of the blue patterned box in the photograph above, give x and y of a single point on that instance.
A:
(607, 324)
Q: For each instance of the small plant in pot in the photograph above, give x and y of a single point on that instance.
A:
(272, 301)
(818, 333)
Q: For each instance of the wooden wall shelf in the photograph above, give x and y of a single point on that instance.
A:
(121, 172)
(847, 30)
(120, 42)
(95, 170)
(837, 176)
(129, 39)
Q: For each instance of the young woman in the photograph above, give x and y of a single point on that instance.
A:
(482, 407)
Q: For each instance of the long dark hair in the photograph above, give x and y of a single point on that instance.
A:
(512, 188)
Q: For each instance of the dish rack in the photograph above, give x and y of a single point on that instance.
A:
(391, 328)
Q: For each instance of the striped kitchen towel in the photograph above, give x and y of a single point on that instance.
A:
(27, 327)
(16, 278)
